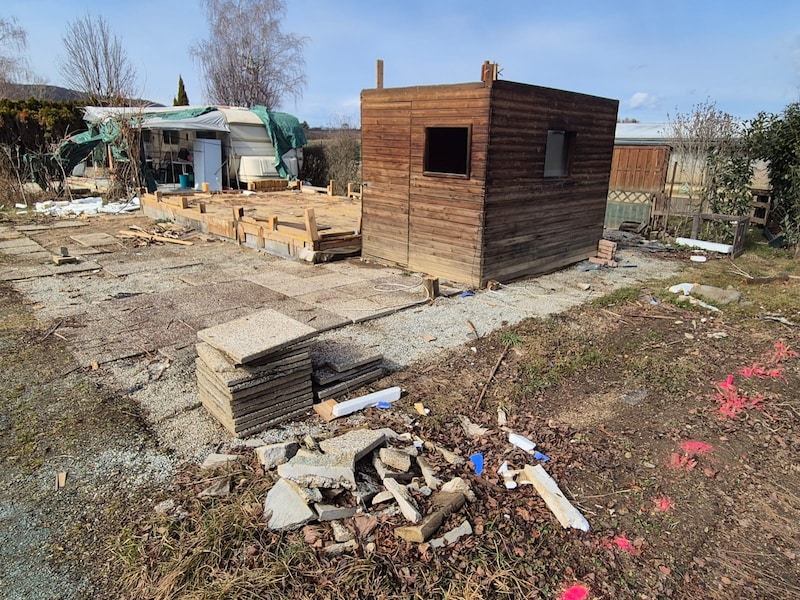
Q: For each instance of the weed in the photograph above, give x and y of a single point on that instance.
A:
(617, 297)
(511, 338)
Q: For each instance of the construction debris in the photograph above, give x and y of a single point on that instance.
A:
(565, 512)
(330, 409)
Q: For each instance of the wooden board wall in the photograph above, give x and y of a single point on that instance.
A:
(534, 225)
(426, 223)
(639, 168)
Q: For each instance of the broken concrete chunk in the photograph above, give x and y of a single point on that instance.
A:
(452, 536)
(459, 485)
(311, 494)
(384, 472)
(354, 444)
(286, 508)
(444, 503)
(470, 428)
(272, 455)
(428, 473)
(319, 471)
(404, 501)
(382, 497)
(329, 512)
(213, 461)
(395, 459)
(341, 533)
(502, 417)
(567, 515)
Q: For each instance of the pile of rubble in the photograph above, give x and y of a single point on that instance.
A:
(354, 479)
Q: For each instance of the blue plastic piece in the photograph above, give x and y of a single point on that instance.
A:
(539, 456)
(383, 404)
(466, 294)
(477, 462)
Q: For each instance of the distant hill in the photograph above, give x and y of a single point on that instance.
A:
(23, 91)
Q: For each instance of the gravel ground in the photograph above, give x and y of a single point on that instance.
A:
(182, 424)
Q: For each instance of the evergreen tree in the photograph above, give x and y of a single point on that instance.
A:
(181, 99)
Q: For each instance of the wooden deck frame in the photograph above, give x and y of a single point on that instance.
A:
(213, 215)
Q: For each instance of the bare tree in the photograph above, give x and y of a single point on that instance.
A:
(13, 41)
(247, 59)
(96, 62)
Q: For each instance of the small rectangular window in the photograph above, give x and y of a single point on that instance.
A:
(556, 156)
(171, 137)
(447, 151)
(145, 135)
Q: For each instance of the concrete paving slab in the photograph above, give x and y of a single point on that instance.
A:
(353, 308)
(53, 225)
(18, 242)
(314, 284)
(319, 470)
(286, 507)
(341, 355)
(24, 272)
(354, 444)
(248, 338)
(78, 267)
(273, 279)
(95, 239)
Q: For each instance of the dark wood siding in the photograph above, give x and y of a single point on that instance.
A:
(534, 225)
(505, 220)
(438, 218)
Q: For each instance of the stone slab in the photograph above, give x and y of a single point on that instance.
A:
(95, 239)
(330, 512)
(341, 355)
(19, 242)
(286, 507)
(354, 444)
(53, 225)
(249, 338)
(319, 470)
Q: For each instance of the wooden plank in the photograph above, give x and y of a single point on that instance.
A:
(311, 223)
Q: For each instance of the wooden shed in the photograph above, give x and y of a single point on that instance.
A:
(493, 180)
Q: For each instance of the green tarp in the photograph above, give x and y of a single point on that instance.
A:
(285, 133)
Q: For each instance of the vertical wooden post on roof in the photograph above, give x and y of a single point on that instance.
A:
(431, 286)
(379, 74)
(488, 72)
(311, 225)
(331, 187)
(202, 207)
(272, 222)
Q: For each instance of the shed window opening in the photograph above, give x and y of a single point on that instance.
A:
(447, 151)
(171, 137)
(557, 151)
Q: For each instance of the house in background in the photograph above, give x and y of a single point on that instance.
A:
(492, 180)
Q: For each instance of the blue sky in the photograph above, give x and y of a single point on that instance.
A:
(654, 57)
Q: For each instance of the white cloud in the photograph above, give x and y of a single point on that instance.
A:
(642, 100)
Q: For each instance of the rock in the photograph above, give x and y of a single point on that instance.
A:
(285, 507)
(459, 485)
(319, 471)
(385, 473)
(470, 428)
(453, 535)
(428, 473)
(337, 549)
(213, 461)
(329, 512)
(310, 443)
(165, 507)
(272, 455)
(395, 459)
(404, 501)
(218, 489)
(382, 497)
(451, 457)
(341, 533)
(354, 444)
(717, 295)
